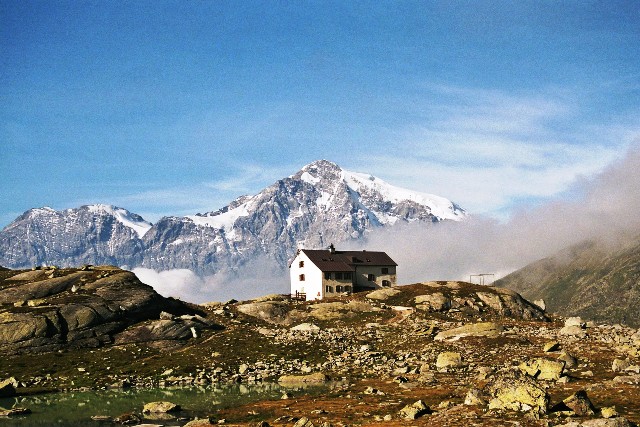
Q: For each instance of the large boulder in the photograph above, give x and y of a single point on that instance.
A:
(304, 422)
(509, 303)
(517, 392)
(449, 359)
(204, 422)
(436, 301)
(579, 403)
(414, 410)
(543, 369)
(269, 311)
(160, 407)
(8, 387)
(383, 294)
(573, 331)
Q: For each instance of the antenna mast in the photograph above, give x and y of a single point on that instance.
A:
(481, 278)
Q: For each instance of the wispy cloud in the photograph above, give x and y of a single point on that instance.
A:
(488, 149)
(244, 178)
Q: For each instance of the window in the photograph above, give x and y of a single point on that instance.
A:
(338, 276)
(328, 289)
(385, 270)
(327, 276)
(347, 288)
(301, 277)
(338, 288)
(386, 283)
(347, 276)
(371, 277)
(301, 264)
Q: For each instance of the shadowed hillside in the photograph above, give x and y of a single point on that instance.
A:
(595, 279)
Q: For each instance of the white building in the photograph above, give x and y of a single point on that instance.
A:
(318, 274)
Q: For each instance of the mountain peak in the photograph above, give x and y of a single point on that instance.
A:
(324, 174)
(315, 171)
(42, 210)
(320, 165)
(126, 218)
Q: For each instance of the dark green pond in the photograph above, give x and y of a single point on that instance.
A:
(77, 408)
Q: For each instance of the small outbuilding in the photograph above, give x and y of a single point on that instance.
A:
(317, 274)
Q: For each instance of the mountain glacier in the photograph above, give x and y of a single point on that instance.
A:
(319, 205)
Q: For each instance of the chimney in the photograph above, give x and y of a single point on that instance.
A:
(332, 249)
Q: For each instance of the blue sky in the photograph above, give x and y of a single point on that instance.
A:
(170, 108)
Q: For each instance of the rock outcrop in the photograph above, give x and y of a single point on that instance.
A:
(79, 309)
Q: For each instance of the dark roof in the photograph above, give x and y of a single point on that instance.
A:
(347, 260)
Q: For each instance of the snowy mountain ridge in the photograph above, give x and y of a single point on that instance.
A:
(441, 207)
(318, 205)
(126, 218)
(359, 183)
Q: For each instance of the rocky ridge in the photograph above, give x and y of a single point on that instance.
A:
(436, 353)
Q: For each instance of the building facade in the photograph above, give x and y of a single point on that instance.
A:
(318, 274)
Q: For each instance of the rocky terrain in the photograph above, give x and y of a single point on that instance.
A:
(318, 205)
(598, 279)
(436, 353)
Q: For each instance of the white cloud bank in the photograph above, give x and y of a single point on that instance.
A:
(257, 278)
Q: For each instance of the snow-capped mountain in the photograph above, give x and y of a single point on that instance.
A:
(319, 205)
(93, 234)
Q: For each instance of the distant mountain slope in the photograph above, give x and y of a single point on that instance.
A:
(93, 234)
(319, 205)
(595, 280)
